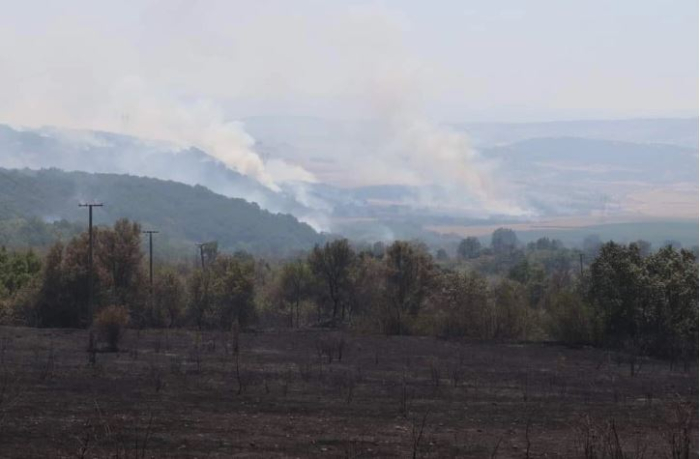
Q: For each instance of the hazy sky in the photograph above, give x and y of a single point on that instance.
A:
(75, 63)
(185, 71)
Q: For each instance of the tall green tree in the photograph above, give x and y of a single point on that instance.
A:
(168, 300)
(117, 276)
(367, 287)
(233, 290)
(295, 284)
(469, 248)
(56, 304)
(120, 264)
(671, 321)
(617, 290)
(646, 304)
(504, 241)
(331, 264)
(462, 306)
(512, 313)
(17, 269)
(409, 277)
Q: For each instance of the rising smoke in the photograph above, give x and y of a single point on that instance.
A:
(150, 88)
(443, 158)
(405, 148)
(201, 125)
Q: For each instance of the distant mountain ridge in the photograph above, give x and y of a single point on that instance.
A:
(682, 132)
(644, 167)
(183, 213)
(106, 152)
(617, 160)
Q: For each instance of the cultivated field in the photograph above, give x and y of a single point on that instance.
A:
(290, 394)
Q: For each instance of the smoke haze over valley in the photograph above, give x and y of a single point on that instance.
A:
(533, 179)
(376, 121)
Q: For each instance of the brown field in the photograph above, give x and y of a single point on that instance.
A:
(179, 394)
(551, 224)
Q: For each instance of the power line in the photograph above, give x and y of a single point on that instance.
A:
(201, 252)
(210, 255)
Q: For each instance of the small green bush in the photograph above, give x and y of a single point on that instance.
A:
(110, 325)
(571, 320)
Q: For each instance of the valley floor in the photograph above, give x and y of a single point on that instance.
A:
(182, 394)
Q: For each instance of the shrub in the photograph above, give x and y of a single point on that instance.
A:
(513, 318)
(21, 308)
(571, 320)
(110, 324)
(6, 315)
(461, 306)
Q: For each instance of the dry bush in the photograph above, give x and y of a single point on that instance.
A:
(244, 378)
(330, 346)
(124, 437)
(602, 441)
(435, 375)
(679, 430)
(11, 388)
(21, 308)
(6, 313)
(92, 349)
(405, 396)
(417, 432)
(196, 352)
(110, 324)
(156, 377)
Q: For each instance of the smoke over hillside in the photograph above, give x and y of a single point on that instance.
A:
(201, 125)
(390, 75)
(402, 147)
(193, 99)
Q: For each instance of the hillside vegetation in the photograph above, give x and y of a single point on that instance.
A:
(183, 214)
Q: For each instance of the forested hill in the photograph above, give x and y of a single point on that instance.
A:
(182, 213)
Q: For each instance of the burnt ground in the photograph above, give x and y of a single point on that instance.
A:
(179, 394)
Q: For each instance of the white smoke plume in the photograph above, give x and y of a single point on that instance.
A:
(133, 107)
(160, 84)
(201, 125)
(442, 157)
(438, 159)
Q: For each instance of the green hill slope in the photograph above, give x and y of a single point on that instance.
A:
(183, 213)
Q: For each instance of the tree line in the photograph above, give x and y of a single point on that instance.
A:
(623, 296)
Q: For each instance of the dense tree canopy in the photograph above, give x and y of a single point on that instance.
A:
(627, 297)
(409, 277)
(332, 264)
(504, 241)
(469, 248)
(184, 214)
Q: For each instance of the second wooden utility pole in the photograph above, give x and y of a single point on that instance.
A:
(150, 256)
(90, 282)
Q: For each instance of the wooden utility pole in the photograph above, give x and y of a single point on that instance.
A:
(90, 274)
(580, 258)
(150, 256)
(201, 253)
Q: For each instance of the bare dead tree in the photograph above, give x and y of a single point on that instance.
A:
(417, 434)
